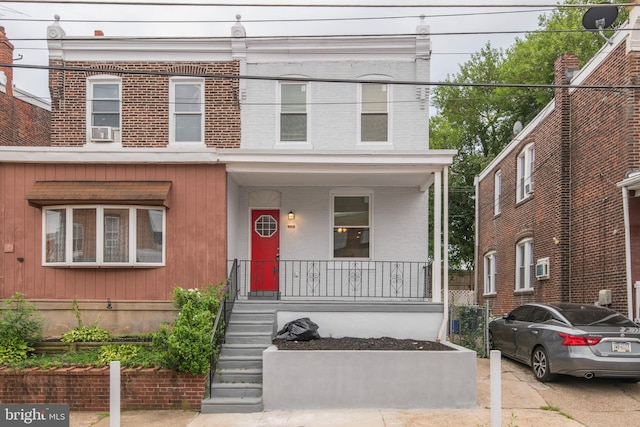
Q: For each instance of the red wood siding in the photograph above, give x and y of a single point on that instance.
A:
(195, 234)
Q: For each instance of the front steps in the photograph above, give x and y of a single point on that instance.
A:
(237, 382)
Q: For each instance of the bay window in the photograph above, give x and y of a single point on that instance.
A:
(103, 235)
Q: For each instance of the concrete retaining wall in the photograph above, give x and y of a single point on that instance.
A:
(369, 379)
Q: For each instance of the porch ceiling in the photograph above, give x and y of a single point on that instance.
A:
(287, 168)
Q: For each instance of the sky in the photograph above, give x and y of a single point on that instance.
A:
(456, 32)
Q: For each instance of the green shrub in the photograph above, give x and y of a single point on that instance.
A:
(124, 353)
(87, 334)
(14, 350)
(187, 344)
(19, 320)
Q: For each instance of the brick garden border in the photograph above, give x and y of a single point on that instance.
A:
(87, 389)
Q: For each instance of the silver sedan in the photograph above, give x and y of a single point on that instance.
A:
(573, 339)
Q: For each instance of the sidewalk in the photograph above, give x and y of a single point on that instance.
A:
(569, 403)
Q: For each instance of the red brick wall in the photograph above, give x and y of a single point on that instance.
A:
(21, 123)
(145, 102)
(583, 148)
(87, 389)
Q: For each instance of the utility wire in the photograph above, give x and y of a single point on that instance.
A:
(320, 5)
(316, 80)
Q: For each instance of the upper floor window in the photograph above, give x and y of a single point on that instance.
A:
(103, 235)
(374, 118)
(525, 173)
(525, 272)
(490, 273)
(351, 226)
(103, 107)
(187, 110)
(497, 192)
(293, 112)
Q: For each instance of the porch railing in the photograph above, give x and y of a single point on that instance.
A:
(336, 279)
(222, 320)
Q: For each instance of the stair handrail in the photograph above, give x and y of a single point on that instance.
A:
(224, 312)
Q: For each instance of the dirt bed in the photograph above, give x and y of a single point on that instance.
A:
(349, 343)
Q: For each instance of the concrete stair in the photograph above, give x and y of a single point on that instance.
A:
(237, 382)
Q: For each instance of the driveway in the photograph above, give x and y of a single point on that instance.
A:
(569, 402)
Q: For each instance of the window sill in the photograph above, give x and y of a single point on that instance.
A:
(524, 200)
(490, 295)
(524, 291)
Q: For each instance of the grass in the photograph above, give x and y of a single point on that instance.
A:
(556, 409)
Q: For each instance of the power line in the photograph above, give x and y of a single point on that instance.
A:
(319, 5)
(317, 80)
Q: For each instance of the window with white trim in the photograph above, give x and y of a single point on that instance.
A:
(186, 97)
(351, 226)
(374, 115)
(103, 235)
(103, 106)
(497, 192)
(525, 266)
(490, 273)
(524, 187)
(293, 111)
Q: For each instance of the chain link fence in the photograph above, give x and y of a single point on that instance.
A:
(468, 327)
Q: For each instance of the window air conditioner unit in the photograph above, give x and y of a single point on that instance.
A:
(102, 134)
(542, 268)
(528, 188)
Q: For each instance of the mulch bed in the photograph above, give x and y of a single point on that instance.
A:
(349, 343)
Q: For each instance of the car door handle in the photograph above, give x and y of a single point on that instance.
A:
(534, 332)
(514, 329)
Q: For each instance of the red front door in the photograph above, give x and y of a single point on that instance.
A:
(265, 250)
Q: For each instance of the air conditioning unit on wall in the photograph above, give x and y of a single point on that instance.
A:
(542, 269)
(102, 134)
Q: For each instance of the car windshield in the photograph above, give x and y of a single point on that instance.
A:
(585, 316)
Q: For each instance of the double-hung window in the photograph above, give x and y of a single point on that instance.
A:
(293, 112)
(525, 171)
(351, 226)
(497, 192)
(524, 265)
(374, 116)
(104, 235)
(103, 107)
(187, 109)
(490, 273)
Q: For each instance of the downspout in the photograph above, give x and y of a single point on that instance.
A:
(627, 251)
(476, 233)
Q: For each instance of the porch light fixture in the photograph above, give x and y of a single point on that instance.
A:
(291, 216)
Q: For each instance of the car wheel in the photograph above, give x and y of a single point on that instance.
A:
(540, 365)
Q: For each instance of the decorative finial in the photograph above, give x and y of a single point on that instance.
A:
(238, 29)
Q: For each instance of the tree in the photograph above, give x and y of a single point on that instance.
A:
(478, 119)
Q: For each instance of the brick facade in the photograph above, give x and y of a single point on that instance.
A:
(87, 389)
(145, 101)
(21, 123)
(585, 143)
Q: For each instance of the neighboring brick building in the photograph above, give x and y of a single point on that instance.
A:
(24, 118)
(574, 236)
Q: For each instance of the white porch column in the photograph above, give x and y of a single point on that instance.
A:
(436, 268)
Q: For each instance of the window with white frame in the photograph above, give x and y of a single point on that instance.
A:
(497, 192)
(187, 109)
(351, 226)
(525, 268)
(293, 112)
(103, 235)
(374, 116)
(525, 173)
(103, 106)
(490, 273)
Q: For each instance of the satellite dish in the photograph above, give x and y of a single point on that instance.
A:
(599, 18)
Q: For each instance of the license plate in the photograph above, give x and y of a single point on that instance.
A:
(621, 347)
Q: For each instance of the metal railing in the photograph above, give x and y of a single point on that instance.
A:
(336, 279)
(222, 320)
